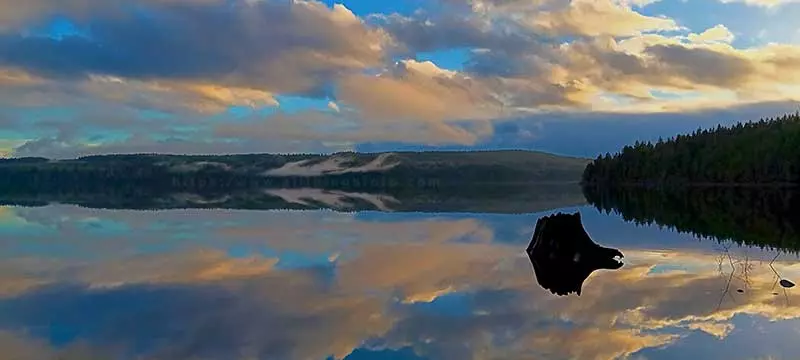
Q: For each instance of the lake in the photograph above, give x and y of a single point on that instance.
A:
(83, 283)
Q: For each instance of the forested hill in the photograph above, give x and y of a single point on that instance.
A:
(233, 172)
(762, 152)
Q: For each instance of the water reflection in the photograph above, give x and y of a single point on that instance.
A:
(764, 217)
(83, 283)
(563, 255)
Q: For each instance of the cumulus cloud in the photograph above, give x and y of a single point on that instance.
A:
(636, 67)
(287, 47)
(761, 3)
(718, 33)
(630, 60)
(177, 68)
(598, 17)
(429, 93)
(350, 126)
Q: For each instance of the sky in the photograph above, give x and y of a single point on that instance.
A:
(579, 77)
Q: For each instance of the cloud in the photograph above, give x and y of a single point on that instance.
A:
(333, 106)
(350, 126)
(425, 32)
(171, 96)
(634, 68)
(718, 33)
(201, 74)
(598, 18)
(630, 61)
(185, 76)
(286, 47)
(761, 3)
(54, 147)
(14, 77)
(520, 25)
(429, 93)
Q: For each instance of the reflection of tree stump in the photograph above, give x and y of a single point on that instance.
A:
(563, 255)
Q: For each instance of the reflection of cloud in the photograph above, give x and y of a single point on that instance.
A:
(343, 234)
(19, 346)
(315, 232)
(363, 304)
(408, 283)
(20, 275)
(333, 198)
(8, 218)
(594, 344)
(418, 271)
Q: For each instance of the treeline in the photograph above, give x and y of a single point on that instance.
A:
(762, 152)
(762, 217)
(233, 172)
(80, 178)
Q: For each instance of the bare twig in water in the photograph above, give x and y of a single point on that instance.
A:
(742, 269)
(747, 268)
(730, 278)
(778, 278)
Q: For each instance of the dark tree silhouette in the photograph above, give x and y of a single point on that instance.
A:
(762, 152)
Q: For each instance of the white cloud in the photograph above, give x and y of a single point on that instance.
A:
(718, 33)
(761, 3)
(597, 18)
(333, 106)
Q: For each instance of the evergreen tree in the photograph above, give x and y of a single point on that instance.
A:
(762, 152)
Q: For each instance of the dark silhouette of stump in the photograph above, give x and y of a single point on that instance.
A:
(563, 255)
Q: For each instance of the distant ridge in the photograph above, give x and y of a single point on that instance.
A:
(506, 166)
(491, 181)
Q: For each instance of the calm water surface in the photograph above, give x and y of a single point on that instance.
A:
(79, 283)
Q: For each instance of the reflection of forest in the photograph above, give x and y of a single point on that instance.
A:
(763, 217)
(497, 198)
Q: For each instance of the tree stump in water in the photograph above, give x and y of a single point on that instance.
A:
(563, 255)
